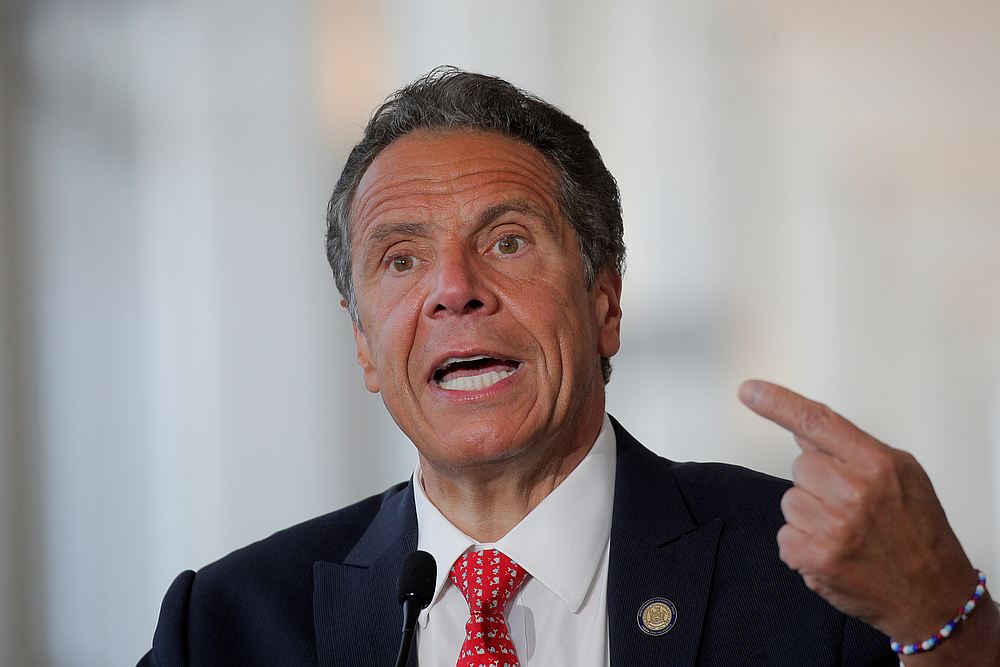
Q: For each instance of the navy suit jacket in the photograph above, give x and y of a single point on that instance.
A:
(699, 534)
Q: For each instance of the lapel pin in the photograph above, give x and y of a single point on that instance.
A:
(657, 616)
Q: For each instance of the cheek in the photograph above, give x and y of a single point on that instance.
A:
(396, 327)
(560, 325)
(578, 332)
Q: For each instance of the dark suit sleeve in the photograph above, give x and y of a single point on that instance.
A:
(864, 646)
(170, 639)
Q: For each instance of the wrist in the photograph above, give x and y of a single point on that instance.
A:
(945, 631)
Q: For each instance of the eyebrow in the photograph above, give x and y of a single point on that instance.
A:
(525, 206)
(392, 229)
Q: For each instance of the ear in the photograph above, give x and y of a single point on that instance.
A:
(365, 360)
(607, 292)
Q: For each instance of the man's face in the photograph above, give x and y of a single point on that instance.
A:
(475, 322)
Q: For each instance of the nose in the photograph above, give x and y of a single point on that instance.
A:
(457, 287)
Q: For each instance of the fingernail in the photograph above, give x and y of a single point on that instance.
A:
(750, 392)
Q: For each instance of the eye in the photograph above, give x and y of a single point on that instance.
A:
(402, 263)
(509, 245)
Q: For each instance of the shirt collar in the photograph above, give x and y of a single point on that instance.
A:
(438, 537)
(560, 543)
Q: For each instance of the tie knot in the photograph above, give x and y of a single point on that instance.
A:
(487, 579)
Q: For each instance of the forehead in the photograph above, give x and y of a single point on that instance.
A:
(425, 170)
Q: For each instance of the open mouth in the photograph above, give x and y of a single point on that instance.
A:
(473, 373)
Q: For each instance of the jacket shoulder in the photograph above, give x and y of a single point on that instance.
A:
(329, 537)
(254, 606)
(709, 490)
(727, 491)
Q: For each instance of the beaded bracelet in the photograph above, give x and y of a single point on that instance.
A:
(945, 632)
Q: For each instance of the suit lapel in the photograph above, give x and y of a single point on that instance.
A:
(657, 551)
(356, 613)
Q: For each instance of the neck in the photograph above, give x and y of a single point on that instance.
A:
(485, 502)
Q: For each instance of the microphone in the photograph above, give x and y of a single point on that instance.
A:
(414, 589)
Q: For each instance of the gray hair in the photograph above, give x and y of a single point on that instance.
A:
(450, 98)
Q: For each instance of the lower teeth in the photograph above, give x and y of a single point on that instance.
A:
(473, 382)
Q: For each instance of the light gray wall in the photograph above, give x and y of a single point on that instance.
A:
(15, 467)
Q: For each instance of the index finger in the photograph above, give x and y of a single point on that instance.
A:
(808, 420)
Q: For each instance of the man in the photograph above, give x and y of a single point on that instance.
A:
(476, 238)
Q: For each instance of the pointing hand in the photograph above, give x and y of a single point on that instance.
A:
(864, 527)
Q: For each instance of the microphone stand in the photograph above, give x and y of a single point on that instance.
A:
(414, 590)
(411, 611)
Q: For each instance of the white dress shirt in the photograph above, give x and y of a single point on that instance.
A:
(560, 614)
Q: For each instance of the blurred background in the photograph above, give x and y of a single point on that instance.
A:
(811, 196)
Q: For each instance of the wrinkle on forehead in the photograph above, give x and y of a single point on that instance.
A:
(447, 169)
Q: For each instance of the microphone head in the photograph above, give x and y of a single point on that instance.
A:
(417, 578)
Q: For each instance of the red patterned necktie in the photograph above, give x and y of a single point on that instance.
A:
(487, 579)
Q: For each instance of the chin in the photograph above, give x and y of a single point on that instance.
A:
(474, 444)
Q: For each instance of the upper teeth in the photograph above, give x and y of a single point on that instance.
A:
(451, 360)
(472, 382)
